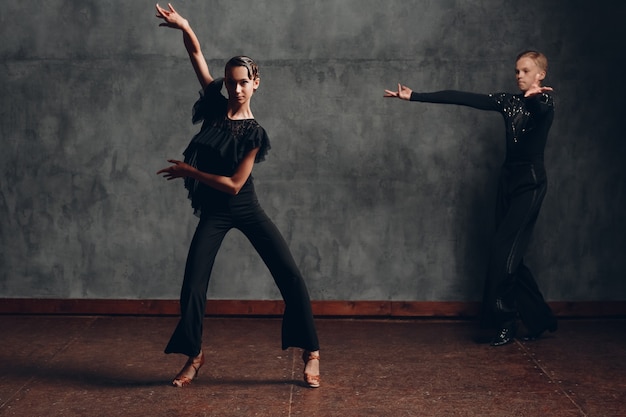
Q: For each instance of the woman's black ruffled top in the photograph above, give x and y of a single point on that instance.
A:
(221, 143)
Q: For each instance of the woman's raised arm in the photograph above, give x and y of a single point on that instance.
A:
(175, 21)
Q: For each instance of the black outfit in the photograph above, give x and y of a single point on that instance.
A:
(510, 289)
(218, 148)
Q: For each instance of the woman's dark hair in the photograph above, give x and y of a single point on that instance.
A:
(247, 62)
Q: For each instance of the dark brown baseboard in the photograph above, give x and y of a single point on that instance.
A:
(355, 309)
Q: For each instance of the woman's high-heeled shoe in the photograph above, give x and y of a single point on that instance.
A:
(192, 365)
(313, 381)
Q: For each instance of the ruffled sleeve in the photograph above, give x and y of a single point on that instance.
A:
(211, 102)
(257, 139)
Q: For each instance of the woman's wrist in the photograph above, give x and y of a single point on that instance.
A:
(183, 25)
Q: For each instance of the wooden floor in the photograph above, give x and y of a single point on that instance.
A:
(114, 366)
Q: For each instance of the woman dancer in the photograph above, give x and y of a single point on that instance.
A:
(217, 173)
(510, 289)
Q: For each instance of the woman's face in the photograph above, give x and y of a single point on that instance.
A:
(528, 73)
(239, 85)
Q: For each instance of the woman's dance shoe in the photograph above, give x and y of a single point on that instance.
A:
(312, 381)
(192, 367)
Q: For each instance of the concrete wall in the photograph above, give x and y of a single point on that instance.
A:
(379, 199)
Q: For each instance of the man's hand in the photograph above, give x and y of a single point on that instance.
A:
(536, 89)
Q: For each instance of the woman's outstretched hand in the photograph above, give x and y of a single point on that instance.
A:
(179, 169)
(403, 92)
(171, 18)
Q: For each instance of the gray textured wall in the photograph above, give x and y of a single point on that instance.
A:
(379, 199)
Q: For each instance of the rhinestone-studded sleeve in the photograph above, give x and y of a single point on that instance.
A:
(461, 98)
(527, 120)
